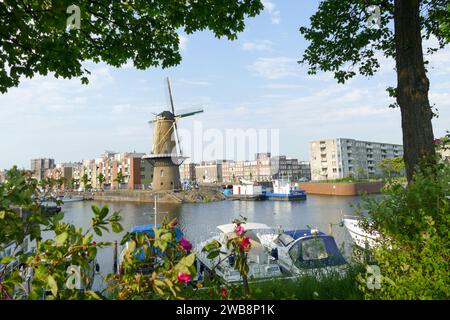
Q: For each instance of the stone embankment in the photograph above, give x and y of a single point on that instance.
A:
(201, 195)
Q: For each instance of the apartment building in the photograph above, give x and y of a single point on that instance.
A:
(304, 168)
(264, 168)
(342, 157)
(64, 171)
(187, 171)
(209, 171)
(283, 167)
(39, 166)
(146, 172)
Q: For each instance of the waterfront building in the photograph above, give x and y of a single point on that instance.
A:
(129, 165)
(64, 171)
(304, 168)
(342, 157)
(283, 167)
(146, 172)
(38, 167)
(209, 171)
(187, 171)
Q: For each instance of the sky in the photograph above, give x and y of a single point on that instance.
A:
(253, 83)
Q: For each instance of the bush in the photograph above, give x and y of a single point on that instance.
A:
(414, 250)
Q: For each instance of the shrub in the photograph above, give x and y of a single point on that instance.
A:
(414, 248)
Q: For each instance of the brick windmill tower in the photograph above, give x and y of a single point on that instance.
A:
(166, 155)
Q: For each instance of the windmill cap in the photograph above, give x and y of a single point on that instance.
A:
(167, 115)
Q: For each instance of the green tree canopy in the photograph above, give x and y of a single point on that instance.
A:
(35, 39)
(392, 165)
(343, 41)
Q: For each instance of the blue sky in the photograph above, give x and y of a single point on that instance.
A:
(254, 82)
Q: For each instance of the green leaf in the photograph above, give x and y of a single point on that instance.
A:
(61, 238)
(116, 227)
(52, 285)
(213, 254)
(6, 260)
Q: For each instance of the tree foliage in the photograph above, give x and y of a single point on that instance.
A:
(391, 166)
(414, 248)
(35, 39)
(342, 42)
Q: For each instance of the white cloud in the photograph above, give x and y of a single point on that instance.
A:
(274, 68)
(183, 42)
(258, 45)
(270, 7)
(284, 86)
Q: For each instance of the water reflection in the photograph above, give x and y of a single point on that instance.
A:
(199, 221)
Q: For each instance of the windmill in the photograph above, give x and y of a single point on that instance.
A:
(166, 155)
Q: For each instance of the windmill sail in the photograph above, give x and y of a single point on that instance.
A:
(173, 112)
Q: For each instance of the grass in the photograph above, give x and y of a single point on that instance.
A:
(329, 287)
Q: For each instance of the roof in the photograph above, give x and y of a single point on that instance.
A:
(227, 228)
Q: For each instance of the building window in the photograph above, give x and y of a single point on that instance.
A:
(162, 173)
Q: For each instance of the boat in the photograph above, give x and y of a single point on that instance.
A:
(359, 236)
(69, 198)
(305, 252)
(261, 264)
(148, 229)
(28, 247)
(284, 190)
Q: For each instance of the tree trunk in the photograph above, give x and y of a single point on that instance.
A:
(412, 85)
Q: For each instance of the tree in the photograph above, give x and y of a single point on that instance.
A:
(120, 178)
(85, 181)
(101, 179)
(342, 42)
(445, 25)
(392, 165)
(37, 39)
(74, 183)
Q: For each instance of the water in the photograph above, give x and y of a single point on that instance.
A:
(199, 221)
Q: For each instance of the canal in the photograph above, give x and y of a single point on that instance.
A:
(199, 220)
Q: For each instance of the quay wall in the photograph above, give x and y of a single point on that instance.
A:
(342, 189)
(142, 196)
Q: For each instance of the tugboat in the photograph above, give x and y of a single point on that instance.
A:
(283, 190)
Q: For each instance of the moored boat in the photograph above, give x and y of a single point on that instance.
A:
(305, 252)
(359, 236)
(284, 190)
(261, 264)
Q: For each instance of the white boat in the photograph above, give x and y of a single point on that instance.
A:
(68, 199)
(261, 264)
(361, 238)
(305, 252)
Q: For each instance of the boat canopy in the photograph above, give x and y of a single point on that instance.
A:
(148, 229)
(228, 228)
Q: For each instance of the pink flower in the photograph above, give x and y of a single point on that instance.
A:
(437, 141)
(239, 230)
(185, 244)
(94, 243)
(183, 277)
(245, 244)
